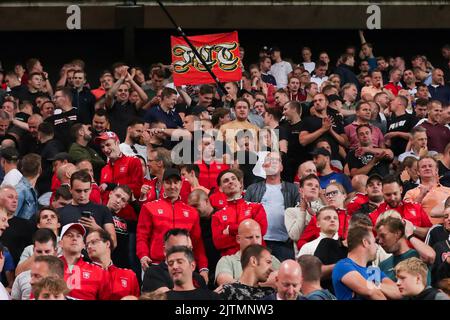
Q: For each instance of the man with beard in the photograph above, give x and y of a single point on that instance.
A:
(79, 150)
(366, 203)
(411, 211)
(132, 145)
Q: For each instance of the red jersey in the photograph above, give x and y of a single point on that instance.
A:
(411, 211)
(154, 193)
(232, 215)
(218, 200)
(357, 201)
(312, 231)
(86, 281)
(208, 173)
(159, 216)
(125, 170)
(123, 282)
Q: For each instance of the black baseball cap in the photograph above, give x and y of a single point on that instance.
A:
(321, 151)
(171, 172)
(374, 176)
(10, 154)
(61, 156)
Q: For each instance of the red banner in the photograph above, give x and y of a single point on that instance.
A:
(220, 52)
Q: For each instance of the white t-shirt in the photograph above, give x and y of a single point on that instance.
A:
(128, 151)
(3, 293)
(12, 178)
(309, 66)
(21, 289)
(280, 71)
(310, 247)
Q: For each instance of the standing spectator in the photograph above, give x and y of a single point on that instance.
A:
(86, 281)
(321, 158)
(122, 282)
(438, 134)
(353, 280)
(63, 121)
(412, 281)
(30, 167)
(411, 211)
(106, 82)
(394, 85)
(82, 98)
(280, 69)
(256, 263)
(165, 111)
(276, 196)
(419, 147)
(370, 200)
(307, 63)
(393, 235)
(8, 162)
(399, 126)
(430, 192)
(345, 72)
(438, 89)
(133, 141)
(79, 150)
(368, 92)
(265, 64)
(225, 224)
(311, 267)
(181, 263)
(156, 217)
(320, 72)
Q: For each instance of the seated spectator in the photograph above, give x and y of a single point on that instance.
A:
(50, 288)
(256, 262)
(352, 280)
(430, 192)
(288, 282)
(181, 265)
(440, 232)
(412, 281)
(393, 235)
(157, 277)
(229, 269)
(45, 266)
(122, 282)
(370, 200)
(311, 273)
(322, 159)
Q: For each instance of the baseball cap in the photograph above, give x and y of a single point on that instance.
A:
(10, 154)
(321, 151)
(61, 156)
(171, 172)
(374, 176)
(78, 226)
(106, 136)
(275, 48)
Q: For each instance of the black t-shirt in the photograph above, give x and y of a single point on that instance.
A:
(119, 116)
(312, 124)
(62, 123)
(17, 236)
(47, 151)
(442, 169)
(296, 153)
(437, 234)
(120, 254)
(212, 253)
(196, 294)
(381, 168)
(403, 123)
(157, 276)
(71, 213)
(23, 94)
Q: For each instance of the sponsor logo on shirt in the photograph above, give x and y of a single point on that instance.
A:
(247, 212)
(122, 169)
(186, 213)
(124, 282)
(160, 211)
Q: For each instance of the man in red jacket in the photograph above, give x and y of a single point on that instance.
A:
(86, 281)
(225, 222)
(412, 211)
(159, 216)
(120, 169)
(123, 282)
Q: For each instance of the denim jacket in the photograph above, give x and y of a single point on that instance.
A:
(27, 205)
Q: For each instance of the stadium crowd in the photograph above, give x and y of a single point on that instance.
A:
(315, 180)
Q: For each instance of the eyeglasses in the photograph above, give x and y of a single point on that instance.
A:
(332, 193)
(93, 242)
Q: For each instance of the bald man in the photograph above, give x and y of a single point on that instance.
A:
(288, 282)
(306, 168)
(359, 182)
(229, 269)
(65, 172)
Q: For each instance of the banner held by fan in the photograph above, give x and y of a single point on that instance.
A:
(220, 51)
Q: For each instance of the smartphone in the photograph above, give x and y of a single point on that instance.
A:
(86, 214)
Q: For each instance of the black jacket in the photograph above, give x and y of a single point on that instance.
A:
(84, 101)
(255, 193)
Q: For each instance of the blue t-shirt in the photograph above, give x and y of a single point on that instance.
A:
(347, 265)
(336, 177)
(171, 119)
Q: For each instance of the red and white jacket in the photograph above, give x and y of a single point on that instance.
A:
(208, 174)
(411, 211)
(159, 216)
(232, 215)
(154, 193)
(122, 282)
(125, 170)
(86, 281)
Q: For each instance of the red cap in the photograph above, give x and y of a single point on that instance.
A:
(106, 136)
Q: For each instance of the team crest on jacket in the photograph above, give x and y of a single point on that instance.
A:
(86, 275)
(247, 212)
(160, 211)
(220, 201)
(224, 218)
(186, 213)
(124, 283)
(122, 169)
(413, 212)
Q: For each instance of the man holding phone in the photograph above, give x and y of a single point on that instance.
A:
(92, 216)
